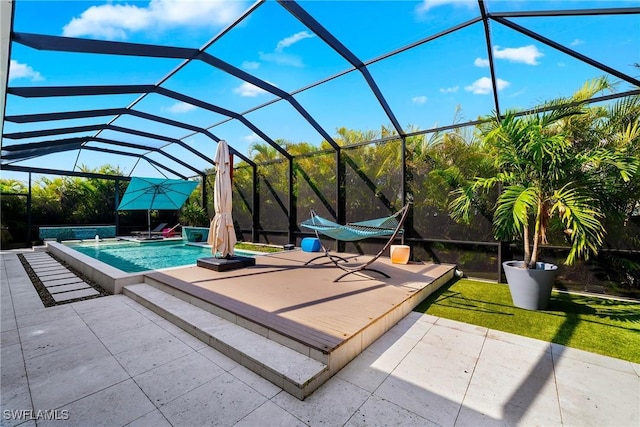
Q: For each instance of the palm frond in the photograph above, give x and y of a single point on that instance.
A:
(515, 204)
(582, 217)
(460, 206)
(625, 110)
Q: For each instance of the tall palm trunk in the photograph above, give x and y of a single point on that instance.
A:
(527, 246)
(536, 235)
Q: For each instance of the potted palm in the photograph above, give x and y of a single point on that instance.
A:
(544, 173)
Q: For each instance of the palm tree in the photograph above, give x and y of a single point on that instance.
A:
(545, 172)
(262, 152)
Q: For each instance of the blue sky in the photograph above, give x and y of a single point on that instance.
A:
(423, 86)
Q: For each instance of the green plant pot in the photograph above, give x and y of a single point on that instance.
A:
(530, 287)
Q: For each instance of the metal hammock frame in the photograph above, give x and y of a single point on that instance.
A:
(355, 231)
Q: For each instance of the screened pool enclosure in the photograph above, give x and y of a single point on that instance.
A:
(332, 106)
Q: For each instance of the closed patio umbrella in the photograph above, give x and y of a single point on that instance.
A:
(222, 236)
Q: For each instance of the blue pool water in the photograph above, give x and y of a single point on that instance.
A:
(134, 257)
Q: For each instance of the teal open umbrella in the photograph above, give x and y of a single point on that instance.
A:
(155, 194)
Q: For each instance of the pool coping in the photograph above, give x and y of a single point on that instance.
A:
(108, 277)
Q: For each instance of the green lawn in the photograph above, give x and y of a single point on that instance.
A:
(599, 325)
(257, 248)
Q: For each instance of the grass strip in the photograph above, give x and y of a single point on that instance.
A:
(258, 248)
(610, 327)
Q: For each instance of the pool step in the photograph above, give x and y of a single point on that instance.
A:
(294, 372)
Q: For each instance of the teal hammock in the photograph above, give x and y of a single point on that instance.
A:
(353, 231)
(389, 226)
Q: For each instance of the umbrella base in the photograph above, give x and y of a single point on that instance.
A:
(224, 264)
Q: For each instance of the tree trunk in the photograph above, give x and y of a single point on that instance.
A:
(536, 236)
(527, 247)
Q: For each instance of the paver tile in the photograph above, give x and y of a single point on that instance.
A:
(380, 412)
(116, 405)
(43, 338)
(44, 315)
(48, 268)
(70, 287)
(45, 276)
(152, 419)
(175, 378)
(66, 296)
(342, 397)
(270, 413)
(80, 380)
(223, 400)
(142, 358)
(61, 281)
(119, 319)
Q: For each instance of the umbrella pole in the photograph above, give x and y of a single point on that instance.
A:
(153, 199)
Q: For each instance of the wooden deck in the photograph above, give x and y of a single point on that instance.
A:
(304, 304)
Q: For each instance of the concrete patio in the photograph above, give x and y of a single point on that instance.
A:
(110, 361)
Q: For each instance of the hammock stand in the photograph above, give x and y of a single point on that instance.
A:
(354, 231)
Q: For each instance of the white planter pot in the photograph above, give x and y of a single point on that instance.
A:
(530, 287)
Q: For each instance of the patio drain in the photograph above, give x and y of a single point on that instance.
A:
(56, 282)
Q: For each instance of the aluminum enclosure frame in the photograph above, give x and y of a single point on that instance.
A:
(13, 153)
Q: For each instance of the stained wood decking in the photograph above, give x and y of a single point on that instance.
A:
(303, 302)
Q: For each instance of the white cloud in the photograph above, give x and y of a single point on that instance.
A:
(502, 84)
(247, 89)
(114, 21)
(518, 93)
(482, 86)
(282, 58)
(18, 70)
(419, 99)
(250, 65)
(108, 21)
(481, 62)
(251, 138)
(576, 42)
(526, 54)
(561, 64)
(279, 56)
(452, 89)
(427, 5)
(180, 107)
(288, 41)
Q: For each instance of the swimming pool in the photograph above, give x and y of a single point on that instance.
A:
(134, 257)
